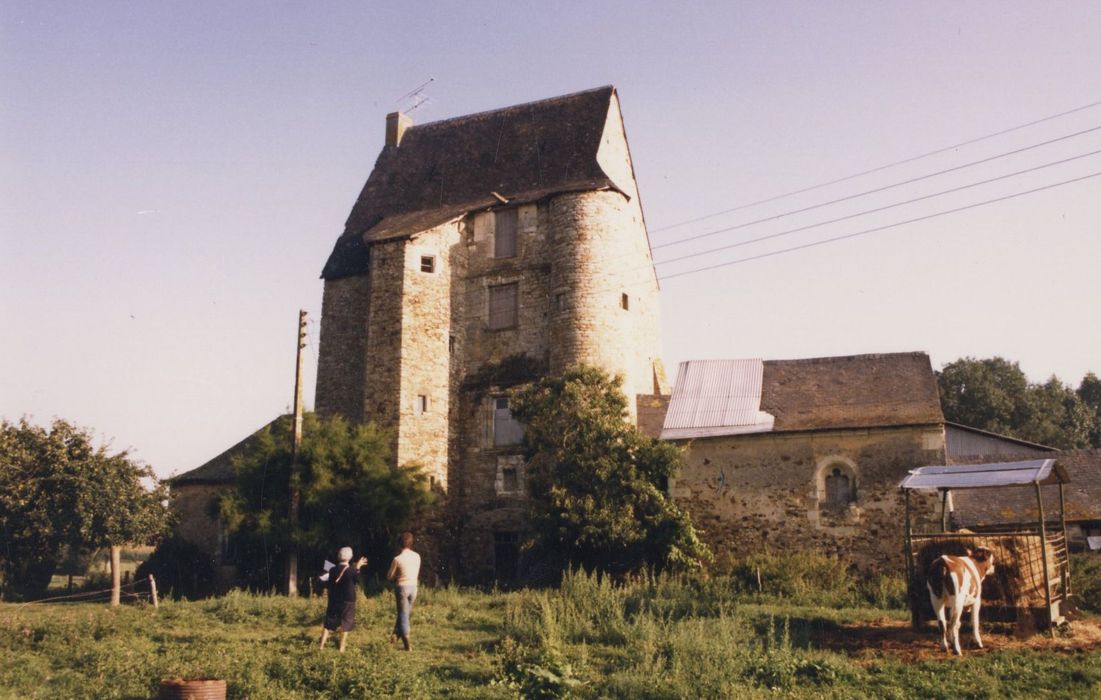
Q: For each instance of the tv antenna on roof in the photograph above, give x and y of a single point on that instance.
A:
(415, 97)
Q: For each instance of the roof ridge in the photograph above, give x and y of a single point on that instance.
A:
(488, 112)
(851, 358)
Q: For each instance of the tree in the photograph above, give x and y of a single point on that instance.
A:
(597, 485)
(1090, 393)
(350, 493)
(57, 489)
(994, 394)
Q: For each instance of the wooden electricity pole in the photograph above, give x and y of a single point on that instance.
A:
(295, 487)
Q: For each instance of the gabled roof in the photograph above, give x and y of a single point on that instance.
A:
(445, 169)
(855, 391)
(1018, 505)
(219, 470)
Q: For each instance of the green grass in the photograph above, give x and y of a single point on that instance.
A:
(656, 637)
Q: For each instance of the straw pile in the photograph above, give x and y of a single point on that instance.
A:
(1018, 579)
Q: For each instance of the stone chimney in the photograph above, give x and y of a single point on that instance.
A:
(396, 124)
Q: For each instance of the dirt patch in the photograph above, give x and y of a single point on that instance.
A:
(872, 640)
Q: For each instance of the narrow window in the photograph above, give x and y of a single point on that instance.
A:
(420, 406)
(510, 480)
(428, 263)
(451, 345)
(560, 303)
(504, 233)
(839, 491)
(506, 429)
(624, 301)
(503, 306)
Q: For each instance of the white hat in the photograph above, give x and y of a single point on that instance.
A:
(345, 554)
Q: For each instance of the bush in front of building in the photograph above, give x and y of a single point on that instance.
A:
(598, 487)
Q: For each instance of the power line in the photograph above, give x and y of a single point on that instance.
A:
(545, 304)
(876, 210)
(879, 228)
(877, 169)
(876, 190)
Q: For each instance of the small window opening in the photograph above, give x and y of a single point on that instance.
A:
(504, 233)
(451, 344)
(624, 301)
(503, 306)
(510, 480)
(428, 263)
(421, 405)
(506, 429)
(839, 489)
(560, 302)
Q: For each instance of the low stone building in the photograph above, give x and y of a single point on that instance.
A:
(998, 509)
(194, 503)
(802, 454)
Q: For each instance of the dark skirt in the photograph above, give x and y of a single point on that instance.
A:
(341, 617)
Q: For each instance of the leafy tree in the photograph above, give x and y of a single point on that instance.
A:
(597, 485)
(350, 495)
(994, 394)
(58, 489)
(1090, 393)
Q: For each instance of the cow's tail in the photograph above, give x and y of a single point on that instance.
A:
(940, 579)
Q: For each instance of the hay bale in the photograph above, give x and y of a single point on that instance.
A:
(1018, 579)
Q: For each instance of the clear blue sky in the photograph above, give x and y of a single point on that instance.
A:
(175, 174)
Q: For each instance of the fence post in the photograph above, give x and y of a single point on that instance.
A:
(153, 591)
(116, 574)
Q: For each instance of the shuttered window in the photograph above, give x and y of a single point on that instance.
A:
(504, 233)
(839, 491)
(503, 306)
(506, 429)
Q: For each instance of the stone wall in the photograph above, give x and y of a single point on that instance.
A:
(749, 493)
(192, 504)
(343, 355)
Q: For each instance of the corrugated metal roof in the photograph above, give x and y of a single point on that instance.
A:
(716, 397)
(973, 476)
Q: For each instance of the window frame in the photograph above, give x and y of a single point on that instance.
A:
(514, 317)
(506, 246)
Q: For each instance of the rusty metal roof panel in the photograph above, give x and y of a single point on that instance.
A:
(974, 476)
(716, 397)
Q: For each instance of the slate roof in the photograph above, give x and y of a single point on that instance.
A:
(1012, 505)
(823, 393)
(445, 169)
(219, 470)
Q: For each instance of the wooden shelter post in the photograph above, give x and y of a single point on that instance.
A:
(944, 510)
(1066, 542)
(1043, 554)
(915, 622)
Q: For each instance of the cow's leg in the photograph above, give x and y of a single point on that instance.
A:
(975, 623)
(957, 615)
(938, 610)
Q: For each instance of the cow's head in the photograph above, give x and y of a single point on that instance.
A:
(984, 561)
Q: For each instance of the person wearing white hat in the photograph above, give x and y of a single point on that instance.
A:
(341, 611)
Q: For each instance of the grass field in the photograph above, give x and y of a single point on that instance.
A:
(653, 638)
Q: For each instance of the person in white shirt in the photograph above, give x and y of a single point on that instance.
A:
(403, 572)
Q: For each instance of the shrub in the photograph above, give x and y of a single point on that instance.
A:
(534, 672)
(805, 577)
(1085, 571)
(180, 568)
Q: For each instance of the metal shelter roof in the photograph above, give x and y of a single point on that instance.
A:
(716, 397)
(975, 476)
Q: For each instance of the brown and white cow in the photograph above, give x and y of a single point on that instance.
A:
(956, 583)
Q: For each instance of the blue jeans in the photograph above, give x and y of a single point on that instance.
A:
(405, 596)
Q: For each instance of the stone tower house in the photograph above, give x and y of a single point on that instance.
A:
(486, 251)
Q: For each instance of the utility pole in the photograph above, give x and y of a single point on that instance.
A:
(295, 486)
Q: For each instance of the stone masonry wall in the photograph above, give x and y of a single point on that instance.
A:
(749, 493)
(343, 354)
(425, 368)
(192, 504)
